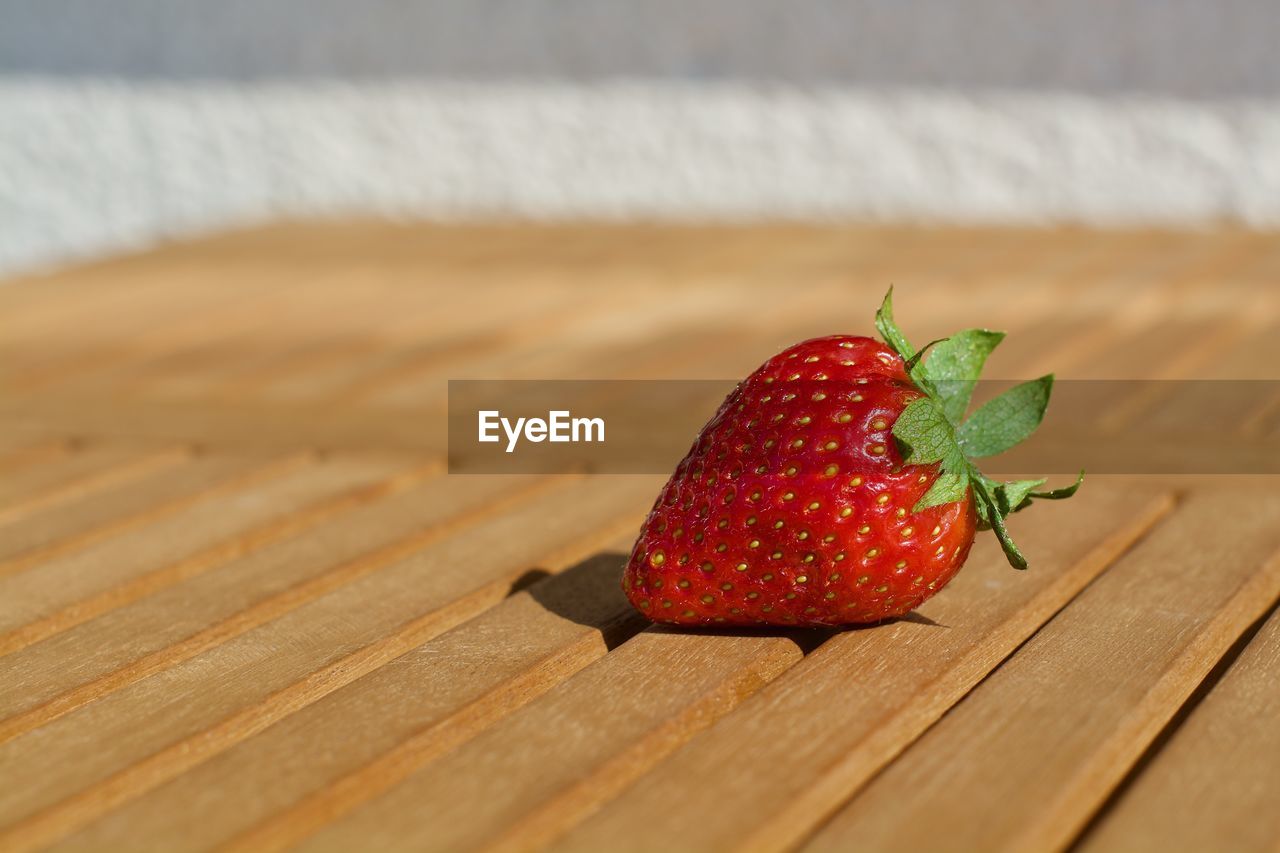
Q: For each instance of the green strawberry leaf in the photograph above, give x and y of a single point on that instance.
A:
(920, 353)
(1060, 494)
(926, 436)
(898, 343)
(1052, 495)
(984, 520)
(954, 366)
(952, 484)
(929, 430)
(1011, 551)
(1006, 420)
(1012, 495)
(889, 330)
(924, 432)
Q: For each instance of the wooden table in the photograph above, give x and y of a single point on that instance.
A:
(243, 605)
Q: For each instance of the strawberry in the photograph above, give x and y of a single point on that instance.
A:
(835, 485)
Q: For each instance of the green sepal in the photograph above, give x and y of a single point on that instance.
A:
(889, 330)
(915, 359)
(898, 342)
(927, 437)
(1063, 493)
(1014, 494)
(996, 520)
(984, 517)
(951, 486)
(931, 430)
(1007, 420)
(954, 366)
(925, 433)
(1051, 495)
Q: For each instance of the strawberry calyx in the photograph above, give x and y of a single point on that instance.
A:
(934, 429)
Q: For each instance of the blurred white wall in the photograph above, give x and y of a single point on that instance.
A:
(126, 122)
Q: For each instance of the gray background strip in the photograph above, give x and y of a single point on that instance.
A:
(1184, 48)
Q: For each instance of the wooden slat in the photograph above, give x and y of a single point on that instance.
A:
(790, 756)
(1023, 762)
(1167, 351)
(352, 383)
(54, 596)
(133, 467)
(1216, 784)
(20, 451)
(40, 539)
(165, 725)
(103, 512)
(119, 308)
(207, 367)
(528, 778)
(275, 786)
(242, 603)
(161, 630)
(235, 427)
(32, 484)
(1254, 356)
(127, 338)
(226, 314)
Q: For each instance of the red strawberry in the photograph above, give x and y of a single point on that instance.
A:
(834, 486)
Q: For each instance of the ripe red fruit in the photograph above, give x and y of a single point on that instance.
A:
(833, 487)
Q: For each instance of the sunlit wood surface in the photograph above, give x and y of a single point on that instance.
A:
(243, 605)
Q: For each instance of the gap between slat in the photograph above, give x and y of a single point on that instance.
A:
(347, 792)
(115, 475)
(802, 790)
(34, 557)
(61, 819)
(207, 559)
(270, 608)
(1175, 722)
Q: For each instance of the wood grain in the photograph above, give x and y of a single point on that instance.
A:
(207, 703)
(136, 466)
(207, 485)
(160, 630)
(1024, 761)
(407, 713)
(795, 752)
(63, 593)
(110, 508)
(34, 483)
(583, 743)
(1216, 783)
(244, 605)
